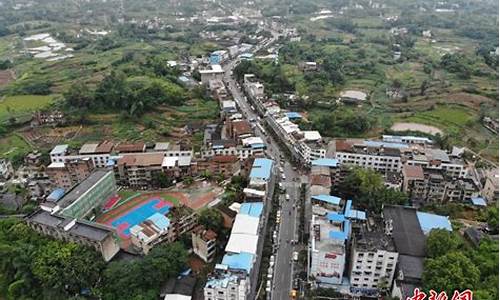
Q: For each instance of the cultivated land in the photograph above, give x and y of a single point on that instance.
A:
(15, 106)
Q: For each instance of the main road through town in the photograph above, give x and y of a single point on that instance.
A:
(283, 273)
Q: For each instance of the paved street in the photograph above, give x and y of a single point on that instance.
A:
(283, 273)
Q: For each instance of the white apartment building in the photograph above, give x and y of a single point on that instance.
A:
(328, 251)
(241, 152)
(100, 153)
(214, 73)
(373, 261)
(380, 163)
(226, 285)
(390, 156)
(253, 87)
(371, 268)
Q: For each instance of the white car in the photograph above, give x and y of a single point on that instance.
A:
(283, 176)
(287, 197)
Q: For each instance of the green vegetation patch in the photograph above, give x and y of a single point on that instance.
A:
(444, 116)
(16, 105)
(13, 147)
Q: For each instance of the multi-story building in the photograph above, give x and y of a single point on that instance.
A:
(67, 174)
(138, 170)
(402, 222)
(407, 140)
(391, 156)
(239, 129)
(328, 248)
(215, 72)
(204, 243)
(253, 87)
(150, 232)
(84, 197)
(380, 156)
(260, 174)
(373, 260)
(305, 146)
(218, 90)
(225, 165)
(159, 228)
(226, 284)
(97, 236)
(426, 186)
(105, 153)
(235, 277)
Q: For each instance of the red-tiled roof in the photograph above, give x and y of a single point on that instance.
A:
(242, 127)
(413, 171)
(104, 147)
(134, 147)
(224, 158)
(142, 159)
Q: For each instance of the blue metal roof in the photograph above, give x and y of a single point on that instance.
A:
(59, 149)
(327, 198)
(356, 214)
(293, 115)
(431, 221)
(253, 209)
(56, 195)
(341, 235)
(258, 146)
(261, 168)
(335, 217)
(478, 201)
(377, 144)
(160, 221)
(325, 162)
(246, 55)
(347, 209)
(241, 261)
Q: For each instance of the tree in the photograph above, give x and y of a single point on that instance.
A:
(141, 279)
(452, 271)
(492, 219)
(212, 219)
(424, 86)
(79, 95)
(112, 91)
(161, 180)
(441, 241)
(67, 267)
(366, 187)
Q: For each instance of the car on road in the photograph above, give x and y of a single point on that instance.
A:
(287, 197)
(283, 176)
(295, 256)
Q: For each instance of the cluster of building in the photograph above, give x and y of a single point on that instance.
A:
(362, 255)
(135, 165)
(415, 166)
(304, 145)
(235, 277)
(63, 210)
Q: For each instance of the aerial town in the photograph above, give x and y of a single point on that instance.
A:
(237, 150)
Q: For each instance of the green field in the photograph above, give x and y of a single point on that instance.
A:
(12, 145)
(18, 105)
(126, 194)
(445, 117)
